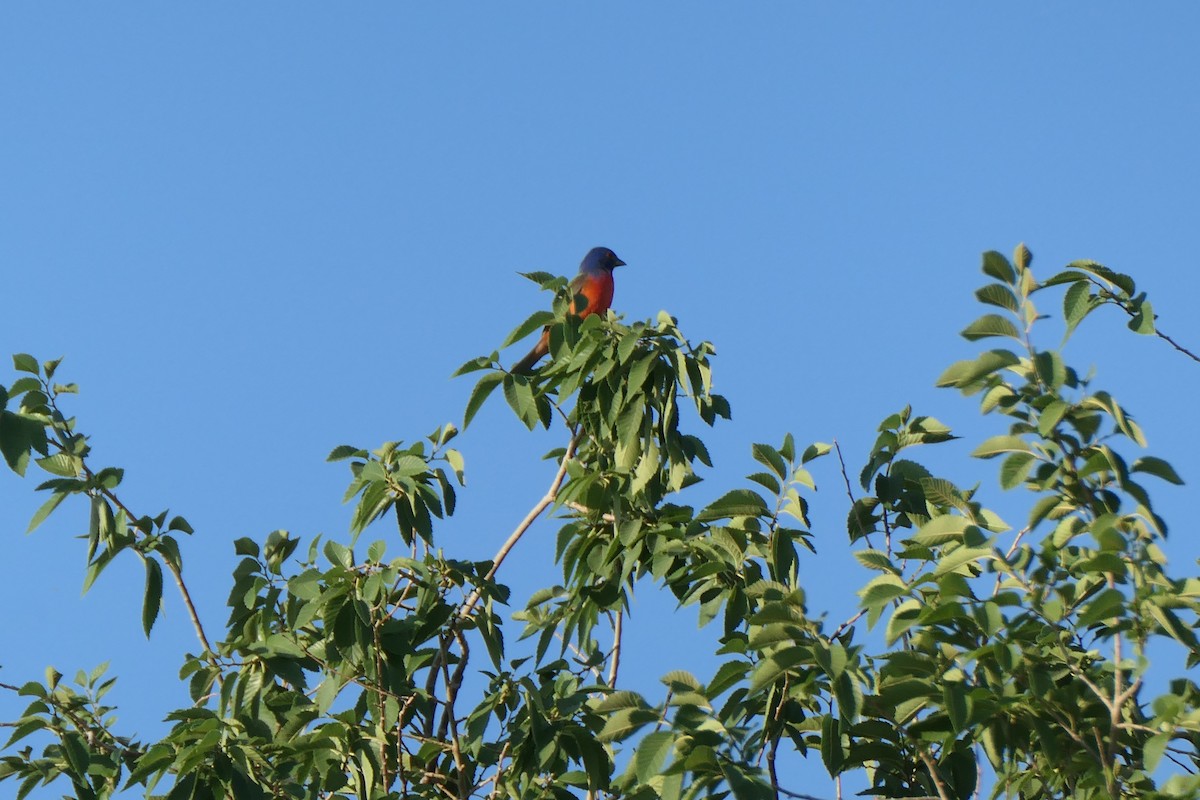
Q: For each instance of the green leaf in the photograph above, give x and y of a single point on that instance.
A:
(538, 277)
(1078, 302)
(76, 752)
(1154, 748)
(1107, 604)
(61, 464)
(814, 450)
(961, 556)
(965, 373)
(486, 385)
(1050, 369)
(903, 618)
(46, 509)
(1174, 626)
(997, 266)
(24, 362)
(519, 395)
(882, 589)
(954, 696)
(651, 754)
(774, 665)
(876, 560)
(1157, 467)
(536, 321)
(1015, 469)
(1066, 276)
(152, 600)
(737, 503)
(327, 692)
(1117, 279)
(769, 457)
(476, 364)
(1004, 443)
(990, 325)
(1022, 256)
(997, 294)
(622, 724)
(728, 675)
(178, 523)
(942, 529)
(344, 451)
(19, 435)
(745, 785)
(1143, 319)
(833, 751)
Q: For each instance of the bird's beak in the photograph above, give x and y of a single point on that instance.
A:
(619, 263)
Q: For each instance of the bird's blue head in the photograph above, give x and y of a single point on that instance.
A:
(600, 259)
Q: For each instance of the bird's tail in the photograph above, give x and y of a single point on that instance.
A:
(525, 365)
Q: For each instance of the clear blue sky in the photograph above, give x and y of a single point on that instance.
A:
(257, 231)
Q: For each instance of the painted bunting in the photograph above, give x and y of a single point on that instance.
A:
(595, 283)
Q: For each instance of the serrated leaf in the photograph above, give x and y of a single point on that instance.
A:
(1157, 467)
(769, 457)
(1154, 749)
(882, 589)
(45, 510)
(903, 617)
(728, 675)
(997, 294)
(961, 556)
(1015, 469)
(23, 362)
(966, 373)
(737, 503)
(876, 560)
(1078, 302)
(536, 321)
(344, 451)
(940, 530)
(538, 277)
(519, 395)
(152, 599)
(486, 385)
(1120, 280)
(61, 464)
(1050, 369)
(1004, 443)
(990, 325)
(997, 266)
(651, 754)
(1066, 276)
(1143, 320)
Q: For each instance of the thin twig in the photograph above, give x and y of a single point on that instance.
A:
(615, 663)
(849, 491)
(582, 509)
(176, 571)
(1012, 549)
(469, 605)
(936, 775)
(1117, 302)
(1176, 345)
(842, 628)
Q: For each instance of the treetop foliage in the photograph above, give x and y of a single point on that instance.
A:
(1019, 647)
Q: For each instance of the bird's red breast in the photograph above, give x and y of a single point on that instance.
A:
(598, 289)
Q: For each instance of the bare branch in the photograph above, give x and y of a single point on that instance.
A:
(615, 663)
(469, 605)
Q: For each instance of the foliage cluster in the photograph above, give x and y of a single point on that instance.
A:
(344, 671)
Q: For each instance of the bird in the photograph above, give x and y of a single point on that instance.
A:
(595, 283)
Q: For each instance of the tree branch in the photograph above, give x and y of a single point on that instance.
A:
(615, 664)
(469, 605)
